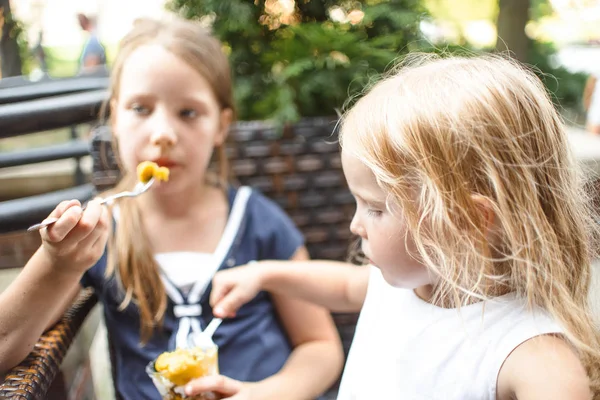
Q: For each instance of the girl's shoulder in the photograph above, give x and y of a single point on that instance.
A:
(257, 201)
(266, 224)
(544, 366)
(260, 209)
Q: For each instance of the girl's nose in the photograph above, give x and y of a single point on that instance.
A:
(356, 227)
(164, 137)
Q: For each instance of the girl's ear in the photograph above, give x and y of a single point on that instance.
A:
(486, 209)
(226, 118)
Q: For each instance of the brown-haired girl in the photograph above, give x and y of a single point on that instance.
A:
(171, 103)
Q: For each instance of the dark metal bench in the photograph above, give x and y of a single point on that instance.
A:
(299, 168)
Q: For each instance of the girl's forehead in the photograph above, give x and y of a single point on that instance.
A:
(361, 181)
(355, 169)
(153, 58)
(144, 72)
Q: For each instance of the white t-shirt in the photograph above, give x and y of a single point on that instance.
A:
(185, 268)
(405, 348)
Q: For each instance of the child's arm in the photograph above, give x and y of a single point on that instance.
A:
(544, 367)
(317, 358)
(50, 279)
(337, 286)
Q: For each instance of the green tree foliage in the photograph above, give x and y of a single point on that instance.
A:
(306, 62)
(565, 86)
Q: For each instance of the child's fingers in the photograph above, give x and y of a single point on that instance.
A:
(218, 291)
(214, 383)
(222, 290)
(228, 305)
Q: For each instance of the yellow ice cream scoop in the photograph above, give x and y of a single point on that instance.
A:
(182, 365)
(162, 174)
(147, 170)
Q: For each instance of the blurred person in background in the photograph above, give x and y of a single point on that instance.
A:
(591, 103)
(93, 54)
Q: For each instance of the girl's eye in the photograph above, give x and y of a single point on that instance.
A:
(374, 213)
(189, 113)
(139, 109)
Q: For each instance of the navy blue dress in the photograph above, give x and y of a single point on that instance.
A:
(252, 346)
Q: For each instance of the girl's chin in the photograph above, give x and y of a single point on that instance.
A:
(369, 260)
(161, 187)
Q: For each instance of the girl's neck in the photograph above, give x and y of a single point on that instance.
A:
(426, 293)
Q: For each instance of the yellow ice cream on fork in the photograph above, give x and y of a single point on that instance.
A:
(147, 170)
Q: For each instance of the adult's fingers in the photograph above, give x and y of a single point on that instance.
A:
(87, 223)
(68, 214)
(62, 207)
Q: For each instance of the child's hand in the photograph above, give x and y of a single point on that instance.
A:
(77, 240)
(226, 388)
(232, 288)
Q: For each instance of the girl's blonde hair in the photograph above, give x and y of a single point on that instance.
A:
(440, 135)
(130, 252)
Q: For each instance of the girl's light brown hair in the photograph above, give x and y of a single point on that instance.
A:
(130, 252)
(440, 135)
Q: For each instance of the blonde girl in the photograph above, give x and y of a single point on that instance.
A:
(471, 212)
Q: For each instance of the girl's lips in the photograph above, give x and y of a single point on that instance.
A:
(165, 162)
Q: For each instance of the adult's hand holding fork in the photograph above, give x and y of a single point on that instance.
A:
(78, 238)
(46, 286)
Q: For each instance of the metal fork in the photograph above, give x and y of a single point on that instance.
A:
(139, 188)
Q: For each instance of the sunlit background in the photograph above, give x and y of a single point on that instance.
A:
(565, 22)
(563, 33)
